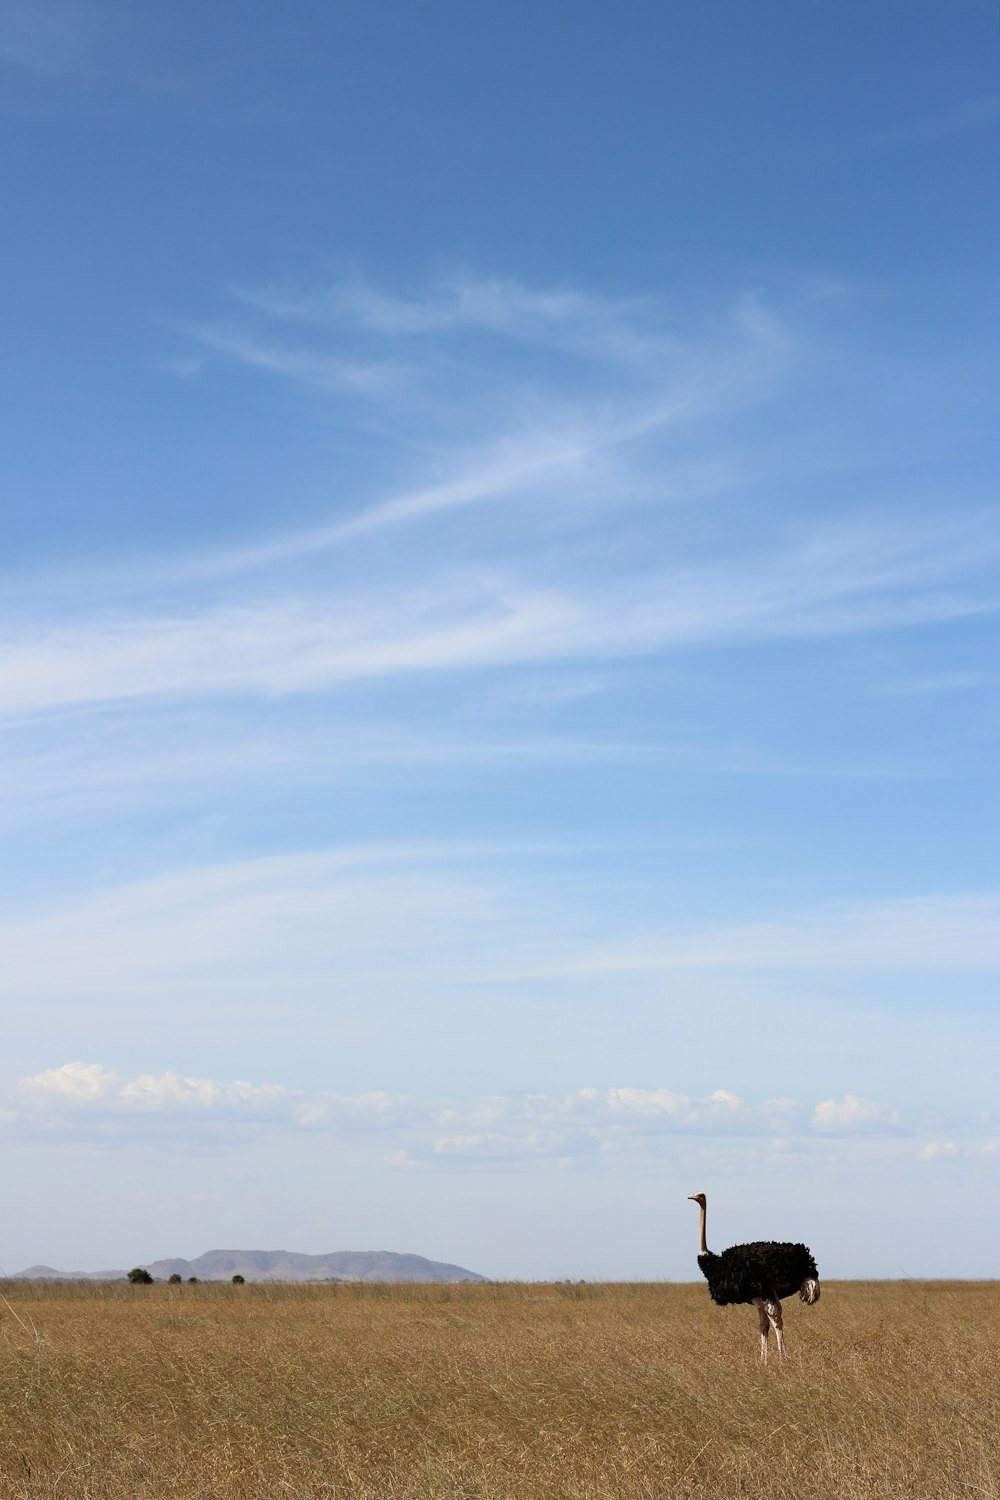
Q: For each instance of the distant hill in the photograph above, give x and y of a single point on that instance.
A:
(278, 1265)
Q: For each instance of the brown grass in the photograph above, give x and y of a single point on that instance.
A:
(490, 1392)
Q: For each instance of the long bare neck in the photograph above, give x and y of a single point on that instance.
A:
(702, 1242)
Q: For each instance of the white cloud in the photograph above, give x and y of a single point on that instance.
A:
(364, 919)
(531, 1124)
(486, 430)
(852, 1113)
(77, 1081)
(586, 1125)
(326, 371)
(546, 455)
(949, 682)
(79, 1085)
(830, 585)
(940, 931)
(483, 542)
(156, 1092)
(565, 317)
(939, 1151)
(964, 1149)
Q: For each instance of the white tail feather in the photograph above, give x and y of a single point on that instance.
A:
(809, 1291)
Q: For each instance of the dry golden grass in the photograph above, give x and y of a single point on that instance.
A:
(490, 1392)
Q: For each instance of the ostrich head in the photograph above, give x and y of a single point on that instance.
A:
(698, 1198)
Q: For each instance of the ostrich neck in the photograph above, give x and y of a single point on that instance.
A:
(702, 1242)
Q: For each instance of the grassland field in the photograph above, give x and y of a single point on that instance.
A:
(496, 1391)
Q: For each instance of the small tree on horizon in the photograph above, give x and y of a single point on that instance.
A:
(239, 1280)
(139, 1276)
(174, 1279)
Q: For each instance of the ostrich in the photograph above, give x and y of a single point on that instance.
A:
(761, 1273)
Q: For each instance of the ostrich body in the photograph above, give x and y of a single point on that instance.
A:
(760, 1273)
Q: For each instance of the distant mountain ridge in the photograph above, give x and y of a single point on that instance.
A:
(278, 1265)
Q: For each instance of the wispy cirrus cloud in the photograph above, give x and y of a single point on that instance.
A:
(481, 429)
(944, 932)
(630, 329)
(527, 524)
(118, 758)
(491, 550)
(324, 370)
(837, 581)
(955, 681)
(536, 460)
(339, 923)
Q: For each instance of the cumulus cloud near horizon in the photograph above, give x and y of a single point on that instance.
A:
(409, 1130)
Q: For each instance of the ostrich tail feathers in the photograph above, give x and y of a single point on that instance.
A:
(809, 1290)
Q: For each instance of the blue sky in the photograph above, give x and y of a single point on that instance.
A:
(498, 693)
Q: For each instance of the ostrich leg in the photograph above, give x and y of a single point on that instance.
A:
(765, 1327)
(773, 1311)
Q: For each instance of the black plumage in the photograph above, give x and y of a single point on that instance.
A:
(764, 1269)
(760, 1273)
